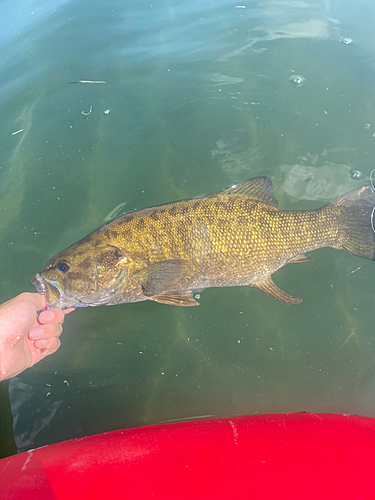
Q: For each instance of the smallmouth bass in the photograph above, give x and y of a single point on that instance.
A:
(237, 237)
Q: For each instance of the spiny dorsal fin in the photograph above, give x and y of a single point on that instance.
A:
(268, 286)
(185, 299)
(258, 188)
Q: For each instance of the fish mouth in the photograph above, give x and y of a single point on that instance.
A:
(49, 289)
(38, 282)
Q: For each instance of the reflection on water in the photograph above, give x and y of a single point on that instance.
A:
(20, 395)
(200, 97)
(313, 179)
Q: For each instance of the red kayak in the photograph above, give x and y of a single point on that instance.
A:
(272, 457)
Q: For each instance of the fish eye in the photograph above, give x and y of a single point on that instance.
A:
(63, 267)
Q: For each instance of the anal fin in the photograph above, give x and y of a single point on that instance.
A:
(269, 287)
(176, 299)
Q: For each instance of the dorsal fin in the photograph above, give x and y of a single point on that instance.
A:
(258, 188)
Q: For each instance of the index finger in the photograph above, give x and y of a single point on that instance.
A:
(53, 315)
(37, 299)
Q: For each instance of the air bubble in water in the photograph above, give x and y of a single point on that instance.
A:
(367, 126)
(356, 174)
(297, 80)
(346, 40)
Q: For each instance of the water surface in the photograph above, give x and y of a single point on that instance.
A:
(200, 97)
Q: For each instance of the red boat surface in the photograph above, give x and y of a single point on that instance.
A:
(283, 457)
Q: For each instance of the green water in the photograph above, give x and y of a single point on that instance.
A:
(199, 98)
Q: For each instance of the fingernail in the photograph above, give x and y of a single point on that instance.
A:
(36, 333)
(41, 343)
(47, 316)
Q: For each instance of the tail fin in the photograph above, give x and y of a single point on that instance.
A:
(357, 222)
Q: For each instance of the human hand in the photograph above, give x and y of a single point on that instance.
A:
(26, 338)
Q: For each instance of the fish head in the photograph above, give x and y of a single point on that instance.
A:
(83, 275)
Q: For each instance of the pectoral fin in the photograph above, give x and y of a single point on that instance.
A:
(269, 287)
(176, 299)
(162, 276)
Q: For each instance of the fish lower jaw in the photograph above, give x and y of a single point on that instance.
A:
(37, 281)
(50, 290)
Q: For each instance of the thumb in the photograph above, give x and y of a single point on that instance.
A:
(38, 300)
